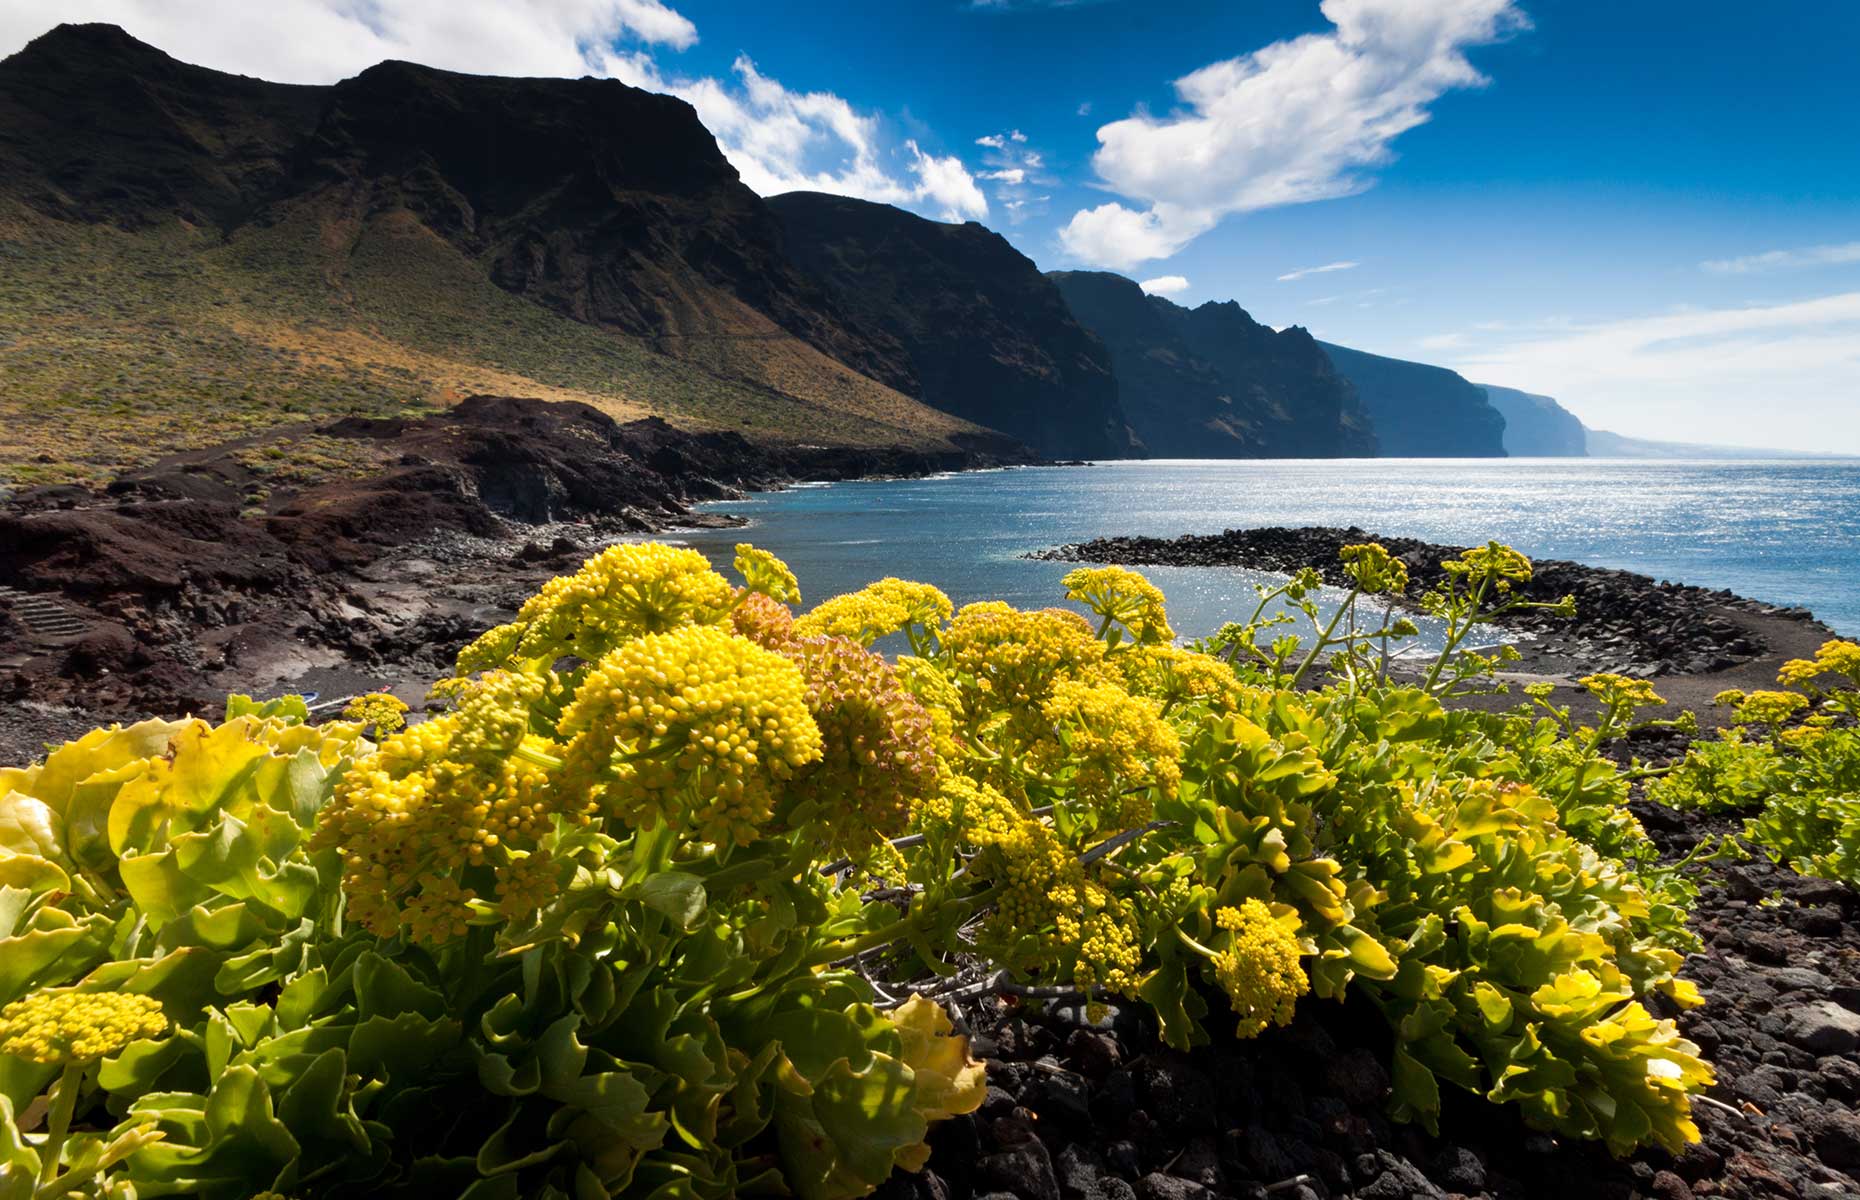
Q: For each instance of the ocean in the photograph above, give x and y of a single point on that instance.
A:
(1786, 532)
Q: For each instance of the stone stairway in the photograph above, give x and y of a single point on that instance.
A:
(41, 613)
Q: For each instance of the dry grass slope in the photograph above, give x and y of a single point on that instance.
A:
(118, 348)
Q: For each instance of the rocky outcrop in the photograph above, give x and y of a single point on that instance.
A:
(1211, 382)
(1624, 622)
(980, 333)
(1537, 426)
(167, 564)
(1421, 411)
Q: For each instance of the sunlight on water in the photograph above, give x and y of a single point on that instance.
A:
(1785, 532)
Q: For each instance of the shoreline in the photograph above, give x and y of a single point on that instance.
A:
(1692, 642)
(167, 590)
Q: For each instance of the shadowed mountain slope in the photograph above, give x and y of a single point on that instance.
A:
(1421, 411)
(273, 251)
(981, 332)
(1211, 382)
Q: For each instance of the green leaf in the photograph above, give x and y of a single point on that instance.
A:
(677, 894)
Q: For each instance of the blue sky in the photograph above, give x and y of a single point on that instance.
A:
(1650, 210)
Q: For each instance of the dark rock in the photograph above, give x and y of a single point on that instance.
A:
(1025, 1171)
(1157, 1186)
(1396, 1179)
(1836, 1137)
(1458, 1169)
(1823, 1027)
(1668, 1186)
(1817, 922)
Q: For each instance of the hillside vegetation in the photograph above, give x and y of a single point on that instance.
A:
(167, 286)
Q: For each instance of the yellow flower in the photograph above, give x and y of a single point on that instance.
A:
(1613, 690)
(56, 1027)
(1769, 708)
(767, 575)
(1493, 562)
(1124, 597)
(878, 610)
(1111, 747)
(381, 711)
(625, 591)
(1176, 676)
(1259, 968)
(1836, 657)
(695, 727)
(1374, 569)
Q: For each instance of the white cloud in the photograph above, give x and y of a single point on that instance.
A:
(1782, 260)
(1165, 285)
(1778, 375)
(1296, 121)
(1326, 269)
(1017, 170)
(1085, 109)
(779, 140)
(782, 140)
(321, 41)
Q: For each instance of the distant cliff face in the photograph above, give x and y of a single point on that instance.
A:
(1211, 382)
(1420, 411)
(979, 332)
(1537, 426)
(607, 205)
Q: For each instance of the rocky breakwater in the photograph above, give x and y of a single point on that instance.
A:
(169, 588)
(1624, 622)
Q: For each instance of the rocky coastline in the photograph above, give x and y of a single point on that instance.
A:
(1694, 642)
(177, 584)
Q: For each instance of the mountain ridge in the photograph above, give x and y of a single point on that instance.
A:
(1211, 381)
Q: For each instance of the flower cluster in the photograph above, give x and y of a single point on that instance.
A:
(1620, 691)
(1175, 676)
(1049, 909)
(1013, 659)
(1122, 596)
(878, 610)
(382, 712)
(1493, 561)
(1259, 967)
(1763, 708)
(766, 575)
(877, 750)
(447, 799)
(624, 591)
(1111, 747)
(764, 621)
(1372, 568)
(1836, 657)
(55, 1027)
(694, 728)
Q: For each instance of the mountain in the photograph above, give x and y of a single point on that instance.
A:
(980, 333)
(1537, 426)
(1211, 382)
(1419, 411)
(189, 255)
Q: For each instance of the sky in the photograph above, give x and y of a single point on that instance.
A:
(1649, 210)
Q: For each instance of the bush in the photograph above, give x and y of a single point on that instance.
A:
(1792, 761)
(667, 901)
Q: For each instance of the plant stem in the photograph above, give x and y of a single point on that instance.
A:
(1348, 605)
(64, 1103)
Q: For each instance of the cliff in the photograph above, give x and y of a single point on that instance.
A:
(1421, 411)
(1537, 426)
(398, 238)
(979, 332)
(1211, 382)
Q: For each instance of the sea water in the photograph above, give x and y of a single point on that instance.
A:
(1786, 532)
